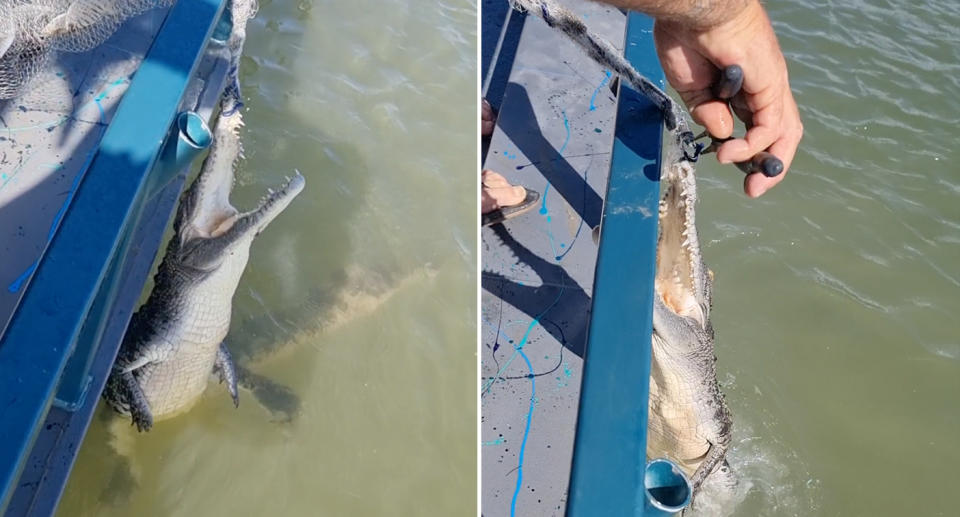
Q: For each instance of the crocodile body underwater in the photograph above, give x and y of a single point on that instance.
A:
(175, 340)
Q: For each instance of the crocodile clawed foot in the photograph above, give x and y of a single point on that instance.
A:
(227, 371)
(142, 419)
(129, 391)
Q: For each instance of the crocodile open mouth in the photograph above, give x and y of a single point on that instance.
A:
(679, 265)
(270, 206)
(276, 201)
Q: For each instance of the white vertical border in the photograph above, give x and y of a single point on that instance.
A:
(476, 198)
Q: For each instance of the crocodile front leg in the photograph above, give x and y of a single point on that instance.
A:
(139, 407)
(227, 371)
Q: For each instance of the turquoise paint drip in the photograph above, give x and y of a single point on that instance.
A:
(7, 178)
(518, 349)
(526, 434)
(498, 441)
(597, 90)
(563, 382)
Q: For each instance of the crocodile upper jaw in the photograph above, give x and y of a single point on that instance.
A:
(682, 280)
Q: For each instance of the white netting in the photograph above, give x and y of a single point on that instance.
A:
(31, 29)
(87, 23)
(241, 12)
(24, 52)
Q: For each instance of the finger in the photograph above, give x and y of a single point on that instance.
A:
(715, 116)
(755, 185)
(757, 139)
(739, 106)
(764, 127)
(692, 75)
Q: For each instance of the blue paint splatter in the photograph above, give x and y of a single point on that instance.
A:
(526, 433)
(518, 349)
(597, 90)
(18, 282)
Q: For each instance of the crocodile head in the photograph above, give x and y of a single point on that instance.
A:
(209, 232)
(688, 419)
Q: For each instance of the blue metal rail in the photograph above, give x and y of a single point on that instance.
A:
(609, 459)
(65, 309)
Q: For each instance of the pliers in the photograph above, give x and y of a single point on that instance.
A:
(731, 80)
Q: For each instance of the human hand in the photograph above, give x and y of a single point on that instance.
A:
(692, 57)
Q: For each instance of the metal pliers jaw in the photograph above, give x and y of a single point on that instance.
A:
(692, 149)
(689, 146)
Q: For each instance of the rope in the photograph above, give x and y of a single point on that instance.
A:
(601, 51)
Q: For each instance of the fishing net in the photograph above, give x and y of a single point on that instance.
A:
(87, 23)
(241, 12)
(31, 29)
(23, 51)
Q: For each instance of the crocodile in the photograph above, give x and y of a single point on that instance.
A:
(175, 340)
(689, 421)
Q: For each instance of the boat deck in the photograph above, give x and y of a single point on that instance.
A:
(557, 133)
(47, 140)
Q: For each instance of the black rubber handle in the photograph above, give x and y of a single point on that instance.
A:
(731, 80)
(763, 162)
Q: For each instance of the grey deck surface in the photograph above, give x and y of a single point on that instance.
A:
(48, 137)
(554, 135)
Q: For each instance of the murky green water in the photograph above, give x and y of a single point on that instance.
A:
(361, 297)
(837, 293)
